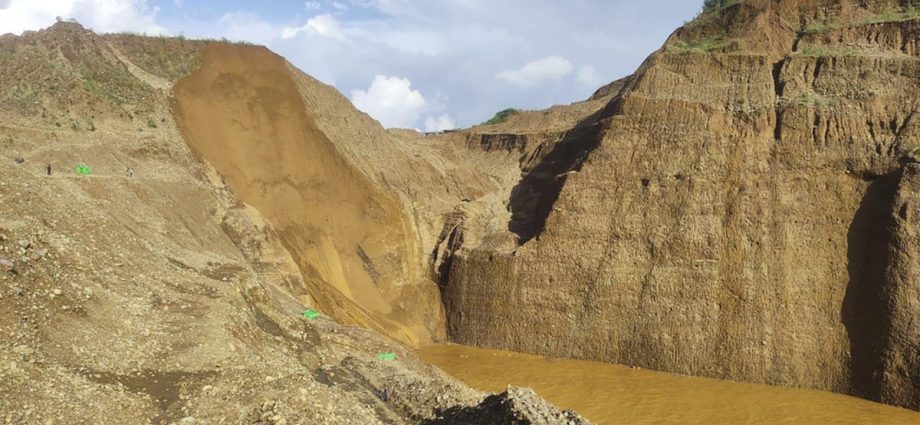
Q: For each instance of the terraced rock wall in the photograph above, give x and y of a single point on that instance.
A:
(735, 218)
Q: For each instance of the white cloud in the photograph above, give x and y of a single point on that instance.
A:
(100, 15)
(441, 123)
(315, 5)
(536, 72)
(391, 101)
(324, 25)
(246, 26)
(589, 76)
(391, 7)
(457, 48)
(414, 42)
(452, 47)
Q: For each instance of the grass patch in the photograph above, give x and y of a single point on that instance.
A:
(808, 99)
(895, 15)
(820, 51)
(824, 26)
(701, 45)
(907, 12)
(501, 116)
(170, 58)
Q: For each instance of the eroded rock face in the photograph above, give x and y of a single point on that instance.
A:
(737, 214)
(898, 375)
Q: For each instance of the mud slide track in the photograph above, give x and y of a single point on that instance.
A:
(241, 112)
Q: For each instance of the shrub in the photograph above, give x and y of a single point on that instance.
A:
(910, 153)
(501, 116)
(711, 5)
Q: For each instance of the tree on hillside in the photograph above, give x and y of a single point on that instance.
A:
(717, 4)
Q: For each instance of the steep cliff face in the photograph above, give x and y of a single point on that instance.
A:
(899, 298)
(728, 217)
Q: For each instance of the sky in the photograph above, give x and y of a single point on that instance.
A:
(426, 64)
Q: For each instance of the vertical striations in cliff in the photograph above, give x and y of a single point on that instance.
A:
(728, 213)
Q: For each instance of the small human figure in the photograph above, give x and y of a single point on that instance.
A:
(386, 394)
(130, 172)
(49, 169)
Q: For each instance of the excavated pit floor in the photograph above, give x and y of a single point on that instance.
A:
(612, 394)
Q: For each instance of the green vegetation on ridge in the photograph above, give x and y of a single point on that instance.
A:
(907, 12)
(166, 57)
(501, 116)
(701, 45)
(712, 5)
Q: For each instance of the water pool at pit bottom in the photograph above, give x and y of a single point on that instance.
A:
(613, 394)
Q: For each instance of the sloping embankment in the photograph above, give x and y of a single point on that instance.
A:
(242, 114)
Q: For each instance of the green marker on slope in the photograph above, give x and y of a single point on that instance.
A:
(83, 169)
(387, 357)
(310, 314)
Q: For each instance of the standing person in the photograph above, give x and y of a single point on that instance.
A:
(130, 172)
(49, 169)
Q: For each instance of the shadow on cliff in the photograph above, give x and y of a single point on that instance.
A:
(865, 312)
(533, 197)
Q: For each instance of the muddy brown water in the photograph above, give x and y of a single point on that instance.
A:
(612, 394)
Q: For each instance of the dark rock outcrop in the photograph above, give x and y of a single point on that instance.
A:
(516, 406)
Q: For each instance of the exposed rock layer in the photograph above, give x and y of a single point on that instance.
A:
(730, 217)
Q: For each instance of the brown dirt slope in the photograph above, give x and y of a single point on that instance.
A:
(731, 212)
(241, 113)
(68, 78)
(433, 181)
(162, 297)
